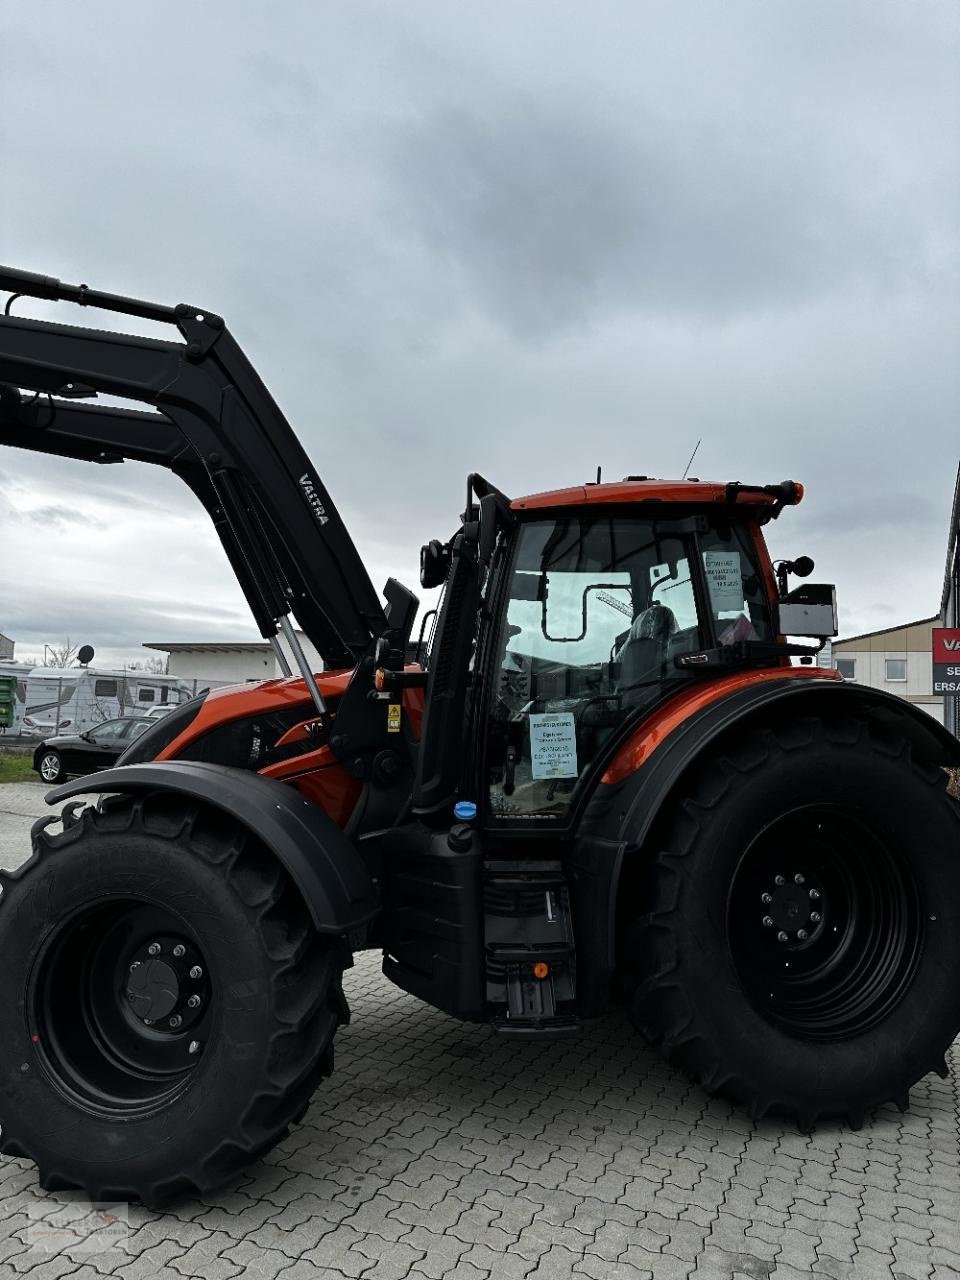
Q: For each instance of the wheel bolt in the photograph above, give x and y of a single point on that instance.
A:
(802, 935)
(814, 895)
(783, 937)
(766, 899)
(193, 1002)
(798, 878)
(194, 1046)
(179, 950)
(175, 1021)
(135, 965)
(768, 922)
(815, 917)
(196, 972)
(148, 1022)
(778, 880)
(153, 949)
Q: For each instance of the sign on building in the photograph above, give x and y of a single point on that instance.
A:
(946, 661)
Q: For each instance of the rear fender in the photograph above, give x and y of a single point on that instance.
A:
(620, 819)
(323, 864)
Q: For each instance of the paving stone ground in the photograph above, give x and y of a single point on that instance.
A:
(440, 1150)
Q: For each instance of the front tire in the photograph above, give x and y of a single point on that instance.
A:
(799, 950)
(50, 767)
(169, 1008)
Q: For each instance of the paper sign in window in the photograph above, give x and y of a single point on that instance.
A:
(725, 578)
(553, 745)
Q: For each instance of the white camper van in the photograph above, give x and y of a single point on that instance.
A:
(20, 671)
(75, 699)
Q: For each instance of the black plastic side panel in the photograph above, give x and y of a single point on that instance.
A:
(432, 920)
(322, 862)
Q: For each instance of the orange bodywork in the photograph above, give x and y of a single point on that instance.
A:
(630, 491)
(653, 732)
(317, 774)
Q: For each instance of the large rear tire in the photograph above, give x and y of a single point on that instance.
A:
(797, 947)
(168, 1007)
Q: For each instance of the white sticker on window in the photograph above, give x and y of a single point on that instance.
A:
(553, 745)
(725, 579)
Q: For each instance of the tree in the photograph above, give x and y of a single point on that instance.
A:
(62, 655)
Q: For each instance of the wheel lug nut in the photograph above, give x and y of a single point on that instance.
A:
(194, 1046)
(802, 935)
(153, 949)
(766, 898)
(135, 965)
(196, 972)
(798, 878)
(814, 895)
(175, 1021)
(148, 1022)
(778, 880)
(768, 922)
(783, 937)
(179, 950)
(193, 1002)
(815, 917)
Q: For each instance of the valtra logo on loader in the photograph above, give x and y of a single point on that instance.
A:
(313, 498)
(613, 775)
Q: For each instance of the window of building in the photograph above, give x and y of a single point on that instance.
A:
(896, 669)
(105, 689)
(847, 668)
(145, 695)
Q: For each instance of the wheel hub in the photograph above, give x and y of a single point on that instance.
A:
(793, 907)
(166, 984)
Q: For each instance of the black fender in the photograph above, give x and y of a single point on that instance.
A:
(620, 817)
(322, 862)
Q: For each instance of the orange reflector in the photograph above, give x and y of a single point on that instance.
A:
(540, 970)
(379, 678)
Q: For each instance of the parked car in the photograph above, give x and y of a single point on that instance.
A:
(157, 713)
(58, 757)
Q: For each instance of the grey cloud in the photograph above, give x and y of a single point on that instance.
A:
(559, 214)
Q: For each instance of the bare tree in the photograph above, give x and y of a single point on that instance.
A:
(62, 655)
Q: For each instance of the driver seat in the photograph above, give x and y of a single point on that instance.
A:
(643, 651)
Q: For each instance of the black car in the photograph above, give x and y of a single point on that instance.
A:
(56, 758)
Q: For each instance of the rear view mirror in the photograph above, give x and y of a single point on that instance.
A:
(809, 610)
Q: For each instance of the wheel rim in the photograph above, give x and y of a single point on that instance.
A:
(824, 923)
(50, 768)
(121, 1006)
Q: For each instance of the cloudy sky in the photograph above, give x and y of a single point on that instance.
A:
(521, 238)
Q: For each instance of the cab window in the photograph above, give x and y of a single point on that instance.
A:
(598, 609)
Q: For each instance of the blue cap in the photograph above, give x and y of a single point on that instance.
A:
(465, 810)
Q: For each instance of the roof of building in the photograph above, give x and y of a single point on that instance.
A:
(213, 646)
(883, 631)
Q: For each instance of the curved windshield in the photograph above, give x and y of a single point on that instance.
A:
(598, 609)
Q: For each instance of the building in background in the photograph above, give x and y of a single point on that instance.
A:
(6, 648)
(218, 662)
(950, 603)
(897, 659)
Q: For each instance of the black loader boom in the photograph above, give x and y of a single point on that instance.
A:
(216, 426)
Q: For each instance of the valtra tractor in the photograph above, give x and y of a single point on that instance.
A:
(610, 771)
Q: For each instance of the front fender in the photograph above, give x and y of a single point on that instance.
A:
(323, 864)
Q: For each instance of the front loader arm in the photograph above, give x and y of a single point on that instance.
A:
(218, 428)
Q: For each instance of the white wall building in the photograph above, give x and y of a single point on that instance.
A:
(219, 662)
(897, 659)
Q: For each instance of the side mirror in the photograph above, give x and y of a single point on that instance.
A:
(810, 610)
(434, 564)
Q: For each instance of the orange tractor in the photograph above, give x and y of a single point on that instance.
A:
(604, 773)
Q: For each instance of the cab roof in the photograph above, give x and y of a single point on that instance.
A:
(647, 489)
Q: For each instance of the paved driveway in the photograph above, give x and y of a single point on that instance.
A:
(439, 1150)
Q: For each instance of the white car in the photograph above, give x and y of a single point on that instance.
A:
(157, 713)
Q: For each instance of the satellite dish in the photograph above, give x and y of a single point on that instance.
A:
(85, 656)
